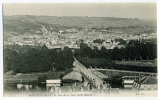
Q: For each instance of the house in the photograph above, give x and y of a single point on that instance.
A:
(99, 46)
(28, 43)
(57, 46)
(76, 46)
(19, 74)
(53, 41)
(118, 32)
(19, 43)
(128, 83)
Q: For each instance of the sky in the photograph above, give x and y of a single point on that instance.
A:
(122, 10)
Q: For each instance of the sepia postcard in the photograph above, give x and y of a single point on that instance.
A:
(80, 49)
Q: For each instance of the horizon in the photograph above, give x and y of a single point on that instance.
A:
(149, 19)
(112, 10)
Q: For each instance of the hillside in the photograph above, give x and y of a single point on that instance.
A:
(32, 24)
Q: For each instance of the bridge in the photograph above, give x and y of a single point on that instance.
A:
(97, 81)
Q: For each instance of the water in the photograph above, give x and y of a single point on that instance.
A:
(22, 87)
(30, 89)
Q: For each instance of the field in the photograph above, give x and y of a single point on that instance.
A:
(95, 62)
(119, 65)
(151, 63)
(32, 77)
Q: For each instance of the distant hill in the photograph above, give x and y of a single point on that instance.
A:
(31, 24)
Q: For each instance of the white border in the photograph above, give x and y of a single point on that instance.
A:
(72, 1)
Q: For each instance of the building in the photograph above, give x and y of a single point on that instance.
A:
(128, 81)
(50, 84)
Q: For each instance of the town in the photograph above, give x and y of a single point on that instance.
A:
(85, 61)
(72, 37)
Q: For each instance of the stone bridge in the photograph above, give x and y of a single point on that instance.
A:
(95, 81)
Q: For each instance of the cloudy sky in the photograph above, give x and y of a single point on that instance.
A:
(124, 10)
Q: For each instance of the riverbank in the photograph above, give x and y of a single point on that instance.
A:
(33, 77)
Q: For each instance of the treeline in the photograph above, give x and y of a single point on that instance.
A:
(22, 59)
(133, 50)
(122, 27)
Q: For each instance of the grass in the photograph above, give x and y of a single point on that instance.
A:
(95, 62)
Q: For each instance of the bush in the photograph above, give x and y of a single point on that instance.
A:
(42, 78)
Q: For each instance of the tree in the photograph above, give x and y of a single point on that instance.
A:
(98, 41)
(64, 60)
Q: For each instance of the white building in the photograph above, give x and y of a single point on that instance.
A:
(52, 83)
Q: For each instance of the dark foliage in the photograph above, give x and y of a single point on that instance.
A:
(98, 41)
(134, 50)
(42, 78)
(36, 59)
